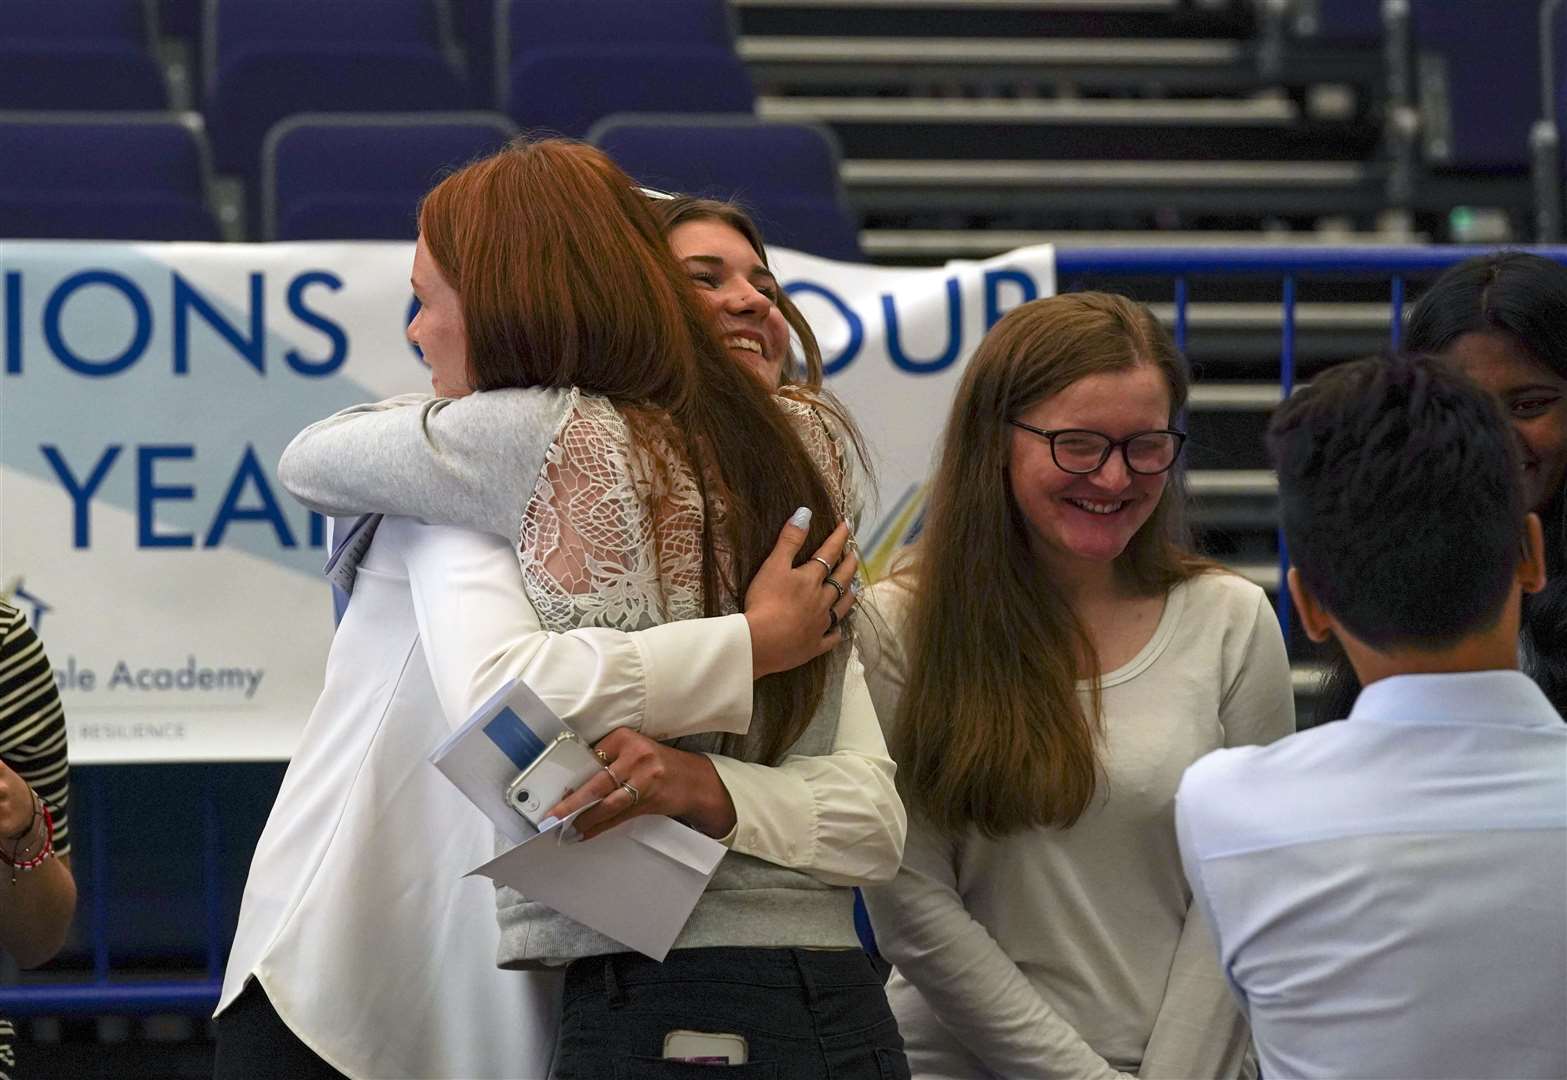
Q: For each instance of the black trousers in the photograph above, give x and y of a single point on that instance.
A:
(255, 1044)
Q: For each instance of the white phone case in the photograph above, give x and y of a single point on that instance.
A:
(568, 762)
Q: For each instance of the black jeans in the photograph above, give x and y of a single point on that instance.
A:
(255, 1044)
(805, 1014)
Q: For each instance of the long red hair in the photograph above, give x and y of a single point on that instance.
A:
(565, 279)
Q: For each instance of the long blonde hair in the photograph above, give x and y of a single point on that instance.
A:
(991, 730)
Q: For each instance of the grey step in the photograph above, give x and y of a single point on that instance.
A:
(1214, 112)
(1270, 317)
(1235, 397)
(1249, 483)
(1140, 174)
(983, 243)
(1128, 6)
(1265, 575)
(1062, 53)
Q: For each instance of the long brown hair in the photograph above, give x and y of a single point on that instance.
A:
(565, 279)
(991, 730)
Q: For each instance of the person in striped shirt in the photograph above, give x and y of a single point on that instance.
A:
(37, 892)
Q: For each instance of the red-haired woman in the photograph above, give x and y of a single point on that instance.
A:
(638, 473)
(1047, 667)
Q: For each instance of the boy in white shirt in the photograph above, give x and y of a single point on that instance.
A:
(1389, 893)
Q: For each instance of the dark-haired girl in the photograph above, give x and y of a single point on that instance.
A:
(1502, 319)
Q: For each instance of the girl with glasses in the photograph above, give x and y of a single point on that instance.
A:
(1046, 663)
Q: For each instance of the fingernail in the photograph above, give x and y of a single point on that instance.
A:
(549, 823)
(801, 518)
(855, 587)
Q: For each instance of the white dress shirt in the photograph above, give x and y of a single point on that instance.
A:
(1389, 892)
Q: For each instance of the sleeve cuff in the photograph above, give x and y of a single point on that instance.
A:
(698, 676)
(775, 820)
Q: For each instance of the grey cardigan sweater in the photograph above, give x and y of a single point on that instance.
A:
(474, 462)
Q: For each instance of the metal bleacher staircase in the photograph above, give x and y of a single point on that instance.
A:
(972, 127)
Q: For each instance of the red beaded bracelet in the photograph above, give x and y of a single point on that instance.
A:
(45, 852)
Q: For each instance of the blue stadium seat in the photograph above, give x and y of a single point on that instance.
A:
(359, 177)
(103, 176)
(787, 174)
(1480, 99)
(474, 22)
(261, 84)
(180, 18)
(91, 76)
(523, 25)
(234, 26)
(568, 90)
(1344, 22)
(77, 22)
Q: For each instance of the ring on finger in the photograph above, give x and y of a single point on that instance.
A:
(630, 789)
(603, 757)
(612, 775)
(827, 566)
(837, 587)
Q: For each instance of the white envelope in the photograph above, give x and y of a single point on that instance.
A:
(636, 883)
(498, 741)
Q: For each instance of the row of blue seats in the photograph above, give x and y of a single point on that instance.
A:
(359, 177)
(51, 38)
(272, 59)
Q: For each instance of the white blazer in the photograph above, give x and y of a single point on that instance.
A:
(356, 919)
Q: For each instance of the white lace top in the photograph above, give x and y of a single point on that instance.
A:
(612, 536)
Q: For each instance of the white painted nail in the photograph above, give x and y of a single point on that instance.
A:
(548, 823)
(801, 518)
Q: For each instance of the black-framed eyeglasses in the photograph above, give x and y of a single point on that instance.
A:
(1081, 451)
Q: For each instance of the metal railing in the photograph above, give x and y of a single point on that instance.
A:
(1180, 265)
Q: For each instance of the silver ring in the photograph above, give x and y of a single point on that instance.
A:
(612, 775)
(827, 566)
(636, 796)
(831, 581)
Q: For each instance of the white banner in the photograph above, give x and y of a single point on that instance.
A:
(149, 388)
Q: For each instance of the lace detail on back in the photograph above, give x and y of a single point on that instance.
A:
(825, 449)
(612, 536)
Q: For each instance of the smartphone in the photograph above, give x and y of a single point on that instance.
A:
(567, 762)
(705, 1048)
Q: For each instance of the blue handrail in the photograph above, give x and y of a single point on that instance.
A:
(1185, 261)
